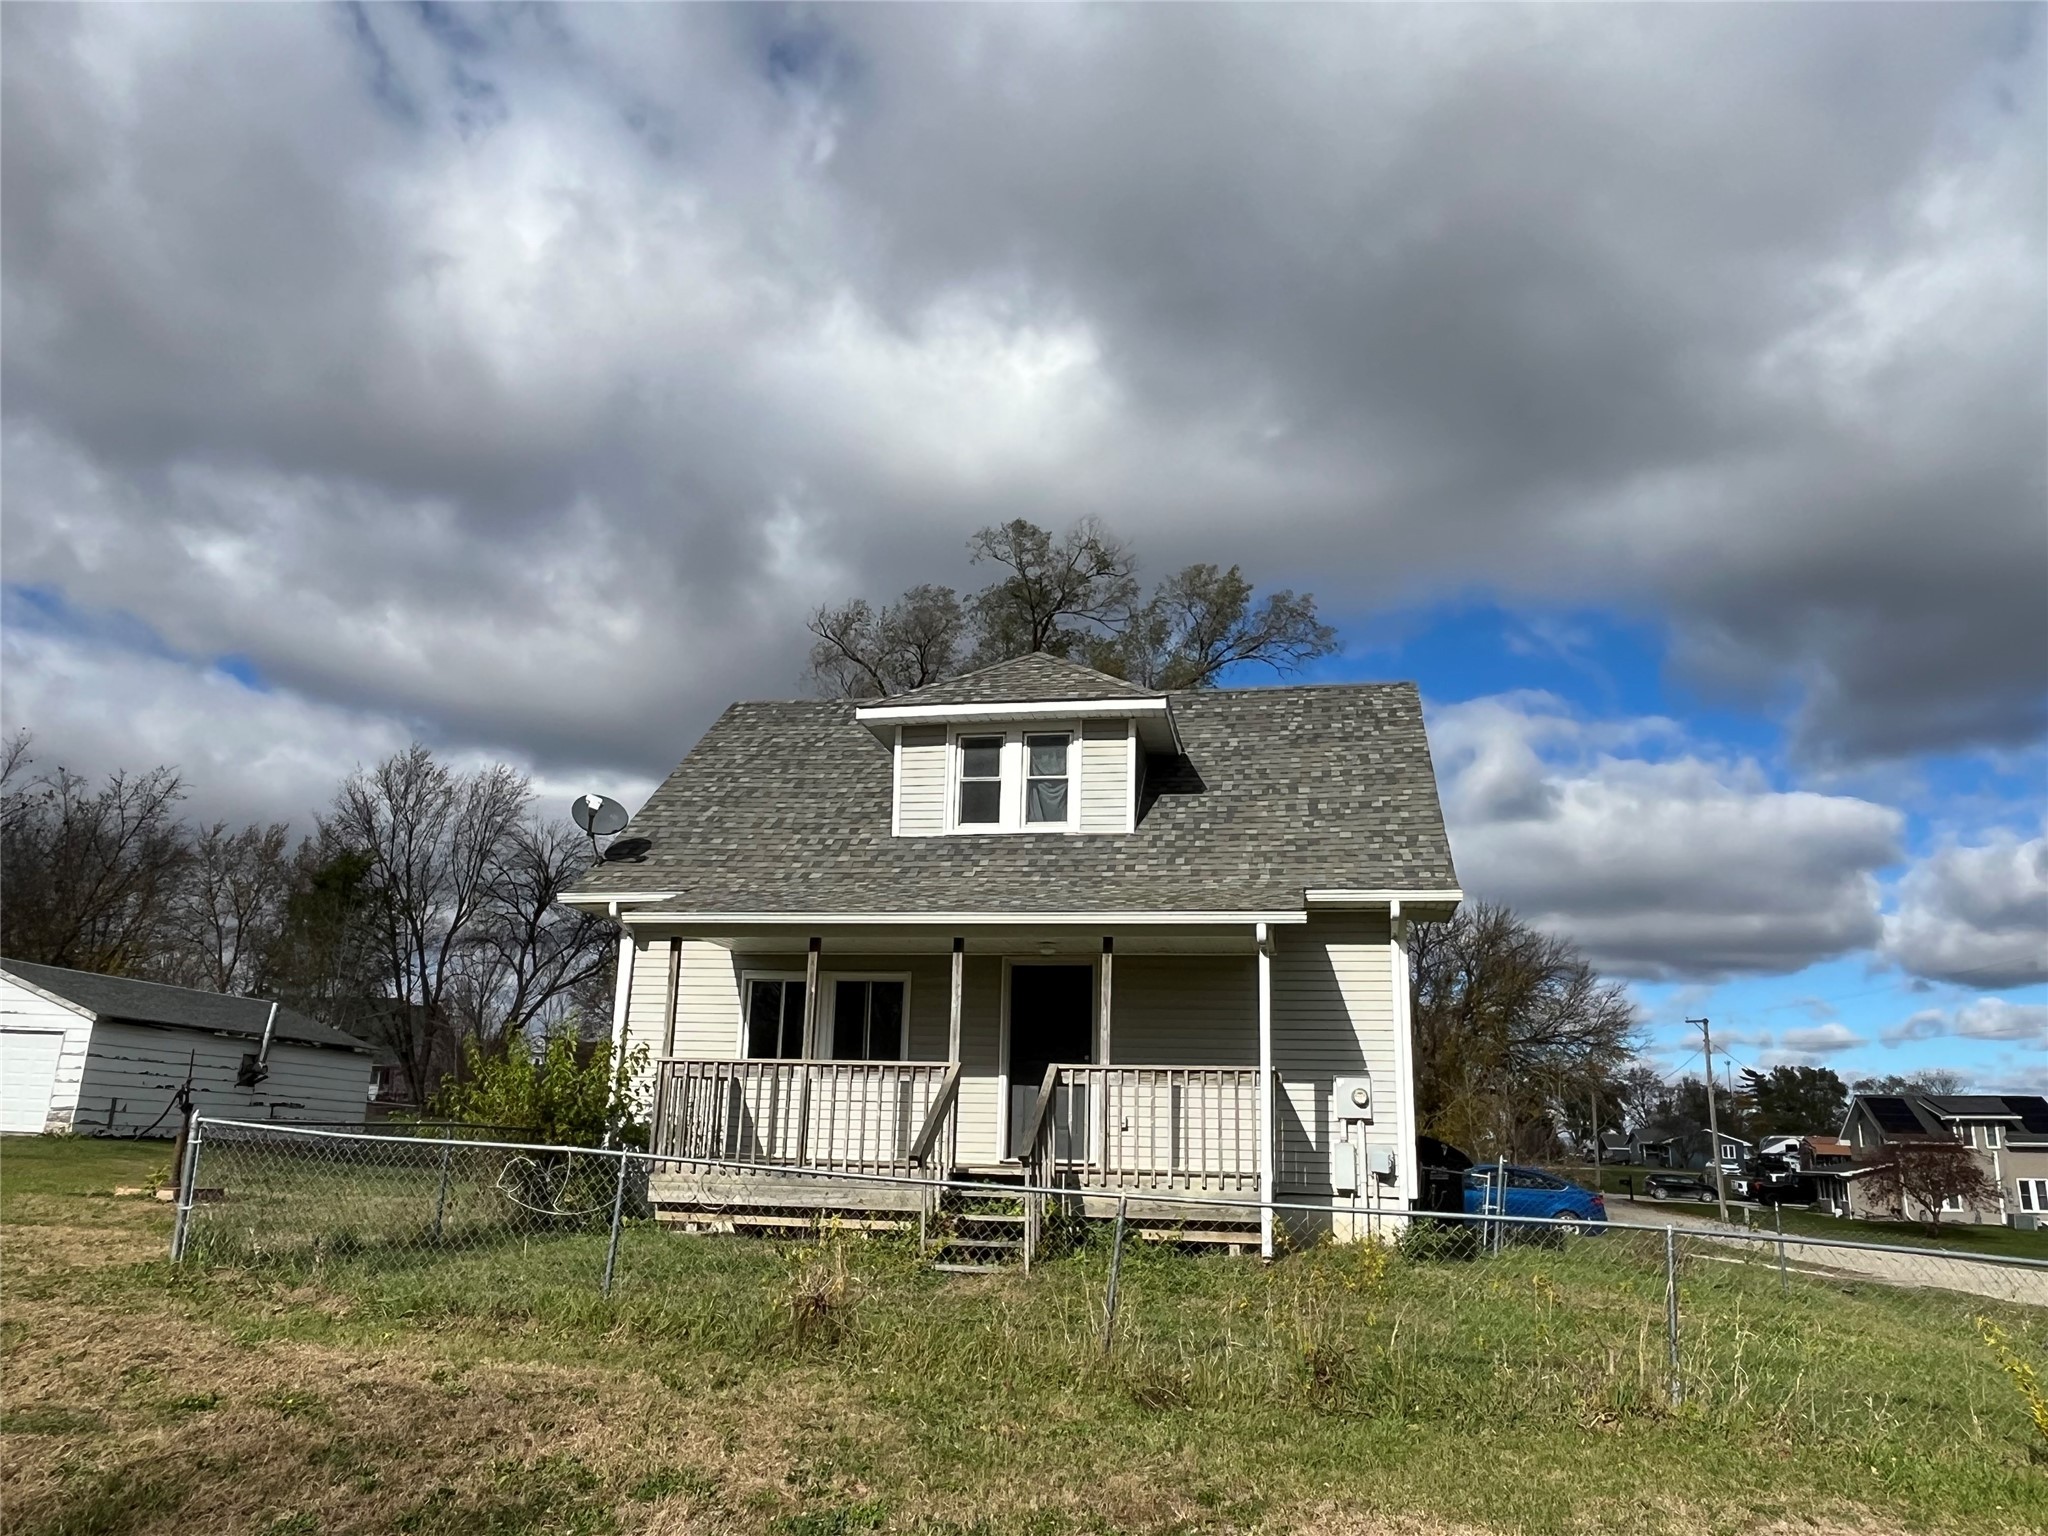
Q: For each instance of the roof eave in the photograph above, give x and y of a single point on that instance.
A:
(1157, 728)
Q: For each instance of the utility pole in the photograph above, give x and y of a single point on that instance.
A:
(1594, 1090)
(1713, 1121)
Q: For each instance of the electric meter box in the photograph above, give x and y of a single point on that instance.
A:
(1351, 1098)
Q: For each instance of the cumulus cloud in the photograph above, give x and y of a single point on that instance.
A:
(1975, 913)
(248, 752)
(1983, 1018)
(1822, 1040)
(1673, 866)
(527, 374)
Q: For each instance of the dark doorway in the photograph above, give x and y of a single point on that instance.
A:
(1052, 1018)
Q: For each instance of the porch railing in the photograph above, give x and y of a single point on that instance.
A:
(1147, 1128)
(858, 1116)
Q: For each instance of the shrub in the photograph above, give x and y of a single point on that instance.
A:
(555, 1095)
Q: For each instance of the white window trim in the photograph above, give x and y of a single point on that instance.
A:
(747, 980)
(828, 1002)
(1014, 764)
(2033, 1195)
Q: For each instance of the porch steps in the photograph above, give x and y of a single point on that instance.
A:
(977, 1235)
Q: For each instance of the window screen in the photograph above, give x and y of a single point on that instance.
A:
(1045, 781)
(775, 1019)
(981, 780)
(867, 1020)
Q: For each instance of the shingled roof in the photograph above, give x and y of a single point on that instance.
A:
(785, 808)
(126, 1000)
(1037, 678)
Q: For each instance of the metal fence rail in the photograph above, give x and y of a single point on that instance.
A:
(1630, 1313)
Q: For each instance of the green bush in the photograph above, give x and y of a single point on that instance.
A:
(551, 1094)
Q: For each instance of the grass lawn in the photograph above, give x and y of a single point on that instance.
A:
(835, 1385)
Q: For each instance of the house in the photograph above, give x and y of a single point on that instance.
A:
(108, 1055)
(1038, 923)
(1618, 1147)
(1825, 1152)
(1688, 1149)
(2007, 1132)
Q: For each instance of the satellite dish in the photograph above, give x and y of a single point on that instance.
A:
(598, 815)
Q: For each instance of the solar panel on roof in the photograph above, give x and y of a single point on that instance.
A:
(1894, 1114)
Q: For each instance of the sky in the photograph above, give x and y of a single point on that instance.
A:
(1664, 390)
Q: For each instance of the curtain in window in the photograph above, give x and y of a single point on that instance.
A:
(1045, 790)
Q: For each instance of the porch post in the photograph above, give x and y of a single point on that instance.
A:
(959, 969)
(1410, 1177)
(811, 998)
(1267, 1183)
(1102, 1016)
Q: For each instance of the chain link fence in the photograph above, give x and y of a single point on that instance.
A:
(1438, 1314)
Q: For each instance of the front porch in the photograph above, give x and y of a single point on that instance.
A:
(1008, 1080)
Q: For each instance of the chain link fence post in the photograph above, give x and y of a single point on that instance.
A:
(188, 1174)
(1671, 1310)
(1778, 1211)
(441, 1194)
(611, 1251)
(1116, 1255)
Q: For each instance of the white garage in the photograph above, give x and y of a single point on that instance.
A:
(107, 1055)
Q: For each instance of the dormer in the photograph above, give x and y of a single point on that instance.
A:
(1033, 745)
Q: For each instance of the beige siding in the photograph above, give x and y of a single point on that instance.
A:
(1105, 775)
(27, 1009)
(1184, 1011)
(708, 998)
(133, 1071)
(921, 782)
(1332, 1016)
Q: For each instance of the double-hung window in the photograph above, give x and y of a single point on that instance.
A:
(1045, 781)
(2033, 1194)
(981, 781)
(1014, 781)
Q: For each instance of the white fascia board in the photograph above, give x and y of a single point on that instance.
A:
(1150, 713)
(1049, 709)
(963, 919)
(1342, 898)
(608, 901)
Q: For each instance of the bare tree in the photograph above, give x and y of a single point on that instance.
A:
(92, 874)
(860, 653)
(1075, 595)
(1929, 1175)
(1508, 1022)
(1202, 621)
(1058, 592)
(229, 912)
(460, 883)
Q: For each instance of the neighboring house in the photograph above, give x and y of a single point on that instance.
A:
(1618, 1147)
(107, 1055)
(2008, 1133)
(1817, 1152)
(1038, 921)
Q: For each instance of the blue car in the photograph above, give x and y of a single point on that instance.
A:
(1532, 1192)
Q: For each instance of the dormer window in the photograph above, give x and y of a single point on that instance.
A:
(1045, 784)
(1022, 780)
(981, 781)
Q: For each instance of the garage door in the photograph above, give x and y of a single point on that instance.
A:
(28, 1076)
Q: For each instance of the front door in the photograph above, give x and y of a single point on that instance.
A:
(1052, 1018)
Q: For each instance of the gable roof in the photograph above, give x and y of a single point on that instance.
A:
(125, 1000)
(1038, 678)
(786, 808)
